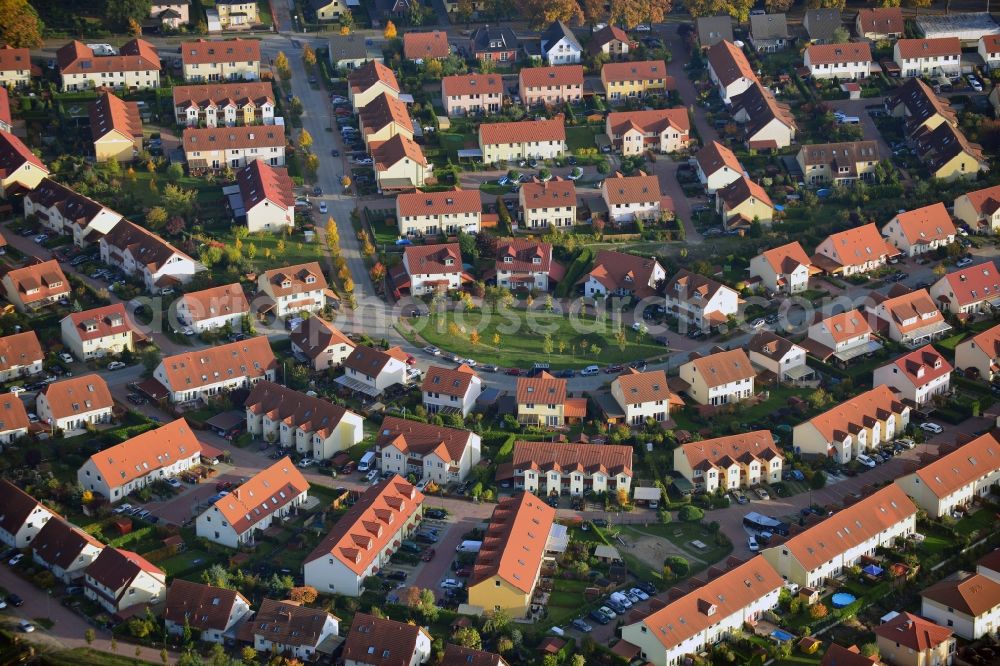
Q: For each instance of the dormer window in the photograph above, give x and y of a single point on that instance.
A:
(508, 260)
(536, 260)
(310, 279)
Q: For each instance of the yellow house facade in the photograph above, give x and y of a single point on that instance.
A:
(330, 11)
(495, 594)
(963, 166)
(237, 15)
(624, 80)
(114, 146)
(752, 209)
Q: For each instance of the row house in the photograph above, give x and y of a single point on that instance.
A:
(916, 377)
(559, 45)
(400, 165)
(729, 69)
(644, 396)
(19, 167)
(852, 427)
(63, 211)
(980, 209)
(838, 163)
(720, 378)
(200, 375)
(844, 337)
(314, 427)
(212, 611)
(450, 391)
(215, 104)
(439, 213)
(830, 548)
(879, 23)
(6, 121)
(722, 606)
(320, 344)
(744, 460)
(429, 452)
(76, 403)
(15, 66)
(64, 550)
(968, 291)
(629, 80)
(661, 130)
(544, 401)
(23, 516)
(287, 627)
(383, 118)
(767, 123)
(838, 61)
(116, 128)
(717, 167)
(549, 86)
(264, 499)
(969, 604)
(471, 94)
(631, 198)
(144, 255)
(372, 371)
(699, 302)
(100, 332)
(956, 479)
(20, 356)
(743, 203)
(266, 200)
(221, 60)
(781, 357)
(152, 456)
(368, 81)
(512, 141)
(782, 270)
(547, 204)
(378, 641)
(551, 469)
(921, 230)
(31, 288)
(294, 289)
(948, 154)
(433, 268)
(853, 251)
(989, 50)
(218, 147)
(509, 563)
(14, 422)
(213, 308)
(621, 274)
(919, 106)
(136, 66)
(928, 57)
(525, 264)
(910, 318)
(364, 539)
(118, 580)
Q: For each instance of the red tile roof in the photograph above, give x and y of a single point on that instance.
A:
(13, 416)
(5, 118)
(233, 138)
(377, 641)
(135, 56)
(397, 148)
(416, 204)
(725, 451)
(609, 459)
(785, 258)
(961, 467)
(12, 59)
(608, 34)
(298, 411)
(922, 366)
(514, 543)
(552, 193)
(860, 245)
(383, 111)
(543, 389)
(971, 285)
(838, 655)
(251, 358)
(221, 301)
(19, 349)
(293, 279)
(846, 418)
(262, 495)
(912, 310)
(218, 51)
(985, 201)
(974, 595)
(78, 395)
(714, 156)
(259, 181)
(44, 280)
(641, 188)
(524, 131)
(471, 84)
(929, 48)
(448, 381)
(653, 121)
(522, 253)
(203, 607)
(432, 259)
(453, 654)
(112, 114)
(881, 20)
(691, 287)
(557, 75)
(741, 190)
(426, 45)
(617, 270)
(370, 73)
(921, 226)
(636, 70)
(640, 387)
(448, 444)
(724, 367)
(221, 94)
(315, 335)
(144, 453)
(729, 63)
(846, 325)
(820, 54)
(913, 632)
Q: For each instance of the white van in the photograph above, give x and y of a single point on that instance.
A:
(366, 462)
(590, 370)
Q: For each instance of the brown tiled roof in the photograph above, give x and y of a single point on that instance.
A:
(837, 155)
(685, 285)
(78, 395)
(523, 131)
(723, 451)
(259, 181)
(221, 94)
(881, 20)
(850, 527)
(115, 568)
(426, 45)
(5, 117)
(203, 607)
(929, 48)
(761, 107)
(59, 543)
(315, 335)
(382, 642)
(973, 595)
(421, 439)
(151, 450)
(972, 284)
(607, 34)
(288, 623)
(563, 457)
(724, 367)
(432, 259)
(556, 75)
(369, 74)
(640, 188)
(964, 465)
(913, 631)
(312, 415)
(555, 192)
(266, 492)
(147, 248)
(16, 506)
(742, 189)
(770, 344)
(224, 300)
(929, 223)
(13, 416)
(135, 56)
(14, 154)
(837, 422)
(19, 349)
(251, 358)
(384, 110)
(985, 201)
(448, 381)
(399, 147)
(653, 121)
(838, 655)
(914, 305)
(714, 156)
(729, 63)
(112, 114)
(219, 51)
(371, 361)
(920, 102)
(72, 205)
(296, 277)
(820, 54)
(615, 270)
(233, 138)
(46, 277)
(457, 656)
(472, 84)
(415, 204)
(543, 389)
(12, 59)
(523, 252)
(514, 542)
(942, 144)
(375, 519)
(990, 560)
(635, 70)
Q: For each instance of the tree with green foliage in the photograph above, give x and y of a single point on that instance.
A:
(120, 12)
(690, 513)
(467, 637)
(20, 26)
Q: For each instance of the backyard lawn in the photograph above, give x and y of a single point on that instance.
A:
(187, 561)
(582, 137)
(521, 338)
(566, 601)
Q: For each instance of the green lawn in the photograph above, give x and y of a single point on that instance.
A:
(582, 137)
(978, 522)
(567, 601)
(682, 534)
(521, 339)
(187, 561)
(778, 398)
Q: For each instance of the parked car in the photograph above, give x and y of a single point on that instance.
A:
(752, 544)
(115, 365)
(451, 584)
(931, 427)
(578, 623)
(608, 613)
(865, 460)
(25, 626)
(598, 617)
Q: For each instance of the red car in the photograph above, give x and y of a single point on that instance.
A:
(410, 360)
(224, 485)
(513, 372)
(613, 369)
(428, 555)
(342, 111)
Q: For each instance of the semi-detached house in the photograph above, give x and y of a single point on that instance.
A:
(735, 461)
(838, 163)
(64, 549)
(35, 286)
(20, 355)
(660, 130)
(918, 104)
(621, 274)
(400, 165)
(116, 128)
(19, 167)
(641, 78)
(135, 67)
(286, 627)
(717, 166)
(73, 404)
(928, 57)
(980, 209)
(382, 118)
(845, 337)
(365, 538)
(630, 198)
(721, 378)
(432, 268)
(65, 211)
(879, 23)
(547, 204)
(838, 61)
(955, 479)
(263, 198)
(372, 371)
(429, 452)
(551, 469)
(526, 139)
(369, 81)
(157, 454)
(921, 230)
(221, 60)
(560, 84)
(23, 516)
(644, 396)
(265, 498)
(829, 548)
(858, 250)
(471, 94)
(948, 153)
(439, 213)
(916, 377)
(782, 270)
(320, 343)
(968, 291)
(215, 104)
(730, 70)
(15, 66)
(294, 289)
(202, 374)
(215, 307)
(911, 318)
(142, 254)
(377, 641)
(118, 580)
(14, 422)
(526, 264)
(217, 147)
(743, 203)
(451, 391)
(543, 401)
(969, 605)
(698, 301)
(782, 358)
(212, 611)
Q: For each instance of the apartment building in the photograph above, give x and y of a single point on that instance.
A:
(429, 452)
(67, 212)
(729, 69)
(136, 66)
(639, 78)
(547, 204)
(368, 82)
(736, 461)
(911, 317)
(200, 375)
(526, 264)
(265, 499)
(116, 129)
(118, 580)
(471, 94)
(700, 302)
(215, 104)
(64, 550)
(980, 209)
(980, 353)
(156, 454)
(660, 130)
(525, 139)
(968, 291)
(364, 538)
(838, 163)
(217, 147)
(439, 213)
(15, 66)
(23, 516)
(372, 371)
(31, 288)
(910, 640)
(551, 469)
(956, 479)
(552, 85)
(213, 308)
(858, 250)
(969, 605)
(879, 23)
(717, 167)
(781, 357)
(143, 254)
(221, 60)
(621, 274)
(400, 165)
(211, 611)
(74, 404)
(828, 549)
(782, 270)
(264, 198)
(509, 563)
(543, 401)
(20, 356)
(742, 203)
(451, 391)
(320, 344)
(377, 641)
(767, 123)
(644, 396)
(854, 426)
(19, 167)
(285, 627)
(721, 378)
(838, 61)
(916, 377)
(294, 289)
(928, 57)
(631, 198)
(314, 427)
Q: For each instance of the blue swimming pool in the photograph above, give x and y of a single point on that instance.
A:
(781, 635)
(841, 599)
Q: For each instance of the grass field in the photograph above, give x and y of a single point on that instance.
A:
(582, 137)
(522, 336)
(187, 561)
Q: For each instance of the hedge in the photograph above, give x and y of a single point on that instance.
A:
(574, 272)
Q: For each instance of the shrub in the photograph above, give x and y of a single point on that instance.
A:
(691, 514)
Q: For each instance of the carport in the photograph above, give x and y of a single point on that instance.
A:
(357, 387)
